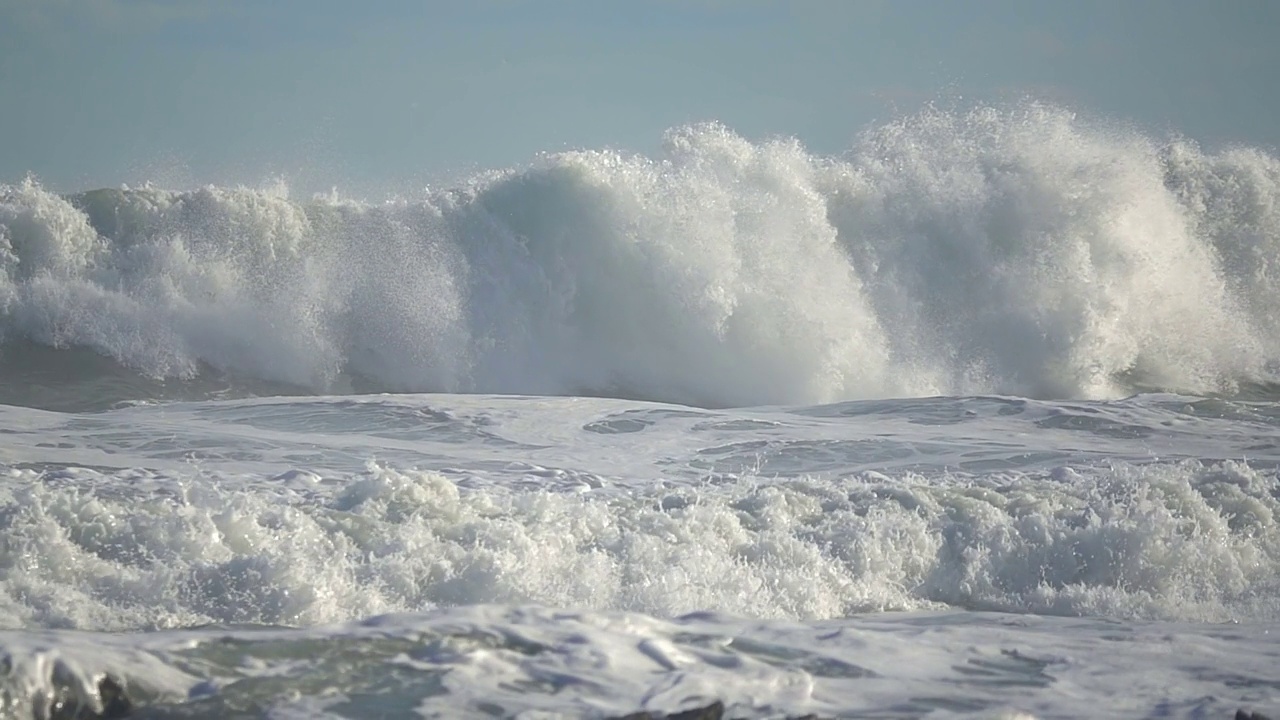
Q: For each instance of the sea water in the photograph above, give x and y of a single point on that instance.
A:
(978, 418)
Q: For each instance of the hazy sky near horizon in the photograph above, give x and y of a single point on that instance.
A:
(395, 93)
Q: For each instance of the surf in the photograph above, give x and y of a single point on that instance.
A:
(1018, 250)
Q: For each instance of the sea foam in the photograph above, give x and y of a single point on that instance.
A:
(1018, 250)
(137, 549)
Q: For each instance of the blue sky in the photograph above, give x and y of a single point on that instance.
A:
(395, 93)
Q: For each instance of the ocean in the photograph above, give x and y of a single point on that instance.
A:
(979, 418)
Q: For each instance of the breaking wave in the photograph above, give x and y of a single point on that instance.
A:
(1018, 250)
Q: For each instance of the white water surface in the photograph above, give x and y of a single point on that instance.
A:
(977, 418)
(870, 559)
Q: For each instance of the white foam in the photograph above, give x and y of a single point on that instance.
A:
(1018, 250)
(139, 549)
(268, 511)
(533, 662)
(539, 554)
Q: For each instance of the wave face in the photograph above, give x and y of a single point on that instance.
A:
(1011, 250)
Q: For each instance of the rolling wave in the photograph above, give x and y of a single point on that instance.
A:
(1017, 250)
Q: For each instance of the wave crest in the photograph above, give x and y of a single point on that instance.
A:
(1011, 250)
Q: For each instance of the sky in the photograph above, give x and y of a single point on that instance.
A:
(392, 94)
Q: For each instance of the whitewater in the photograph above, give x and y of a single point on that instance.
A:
(979, 418)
